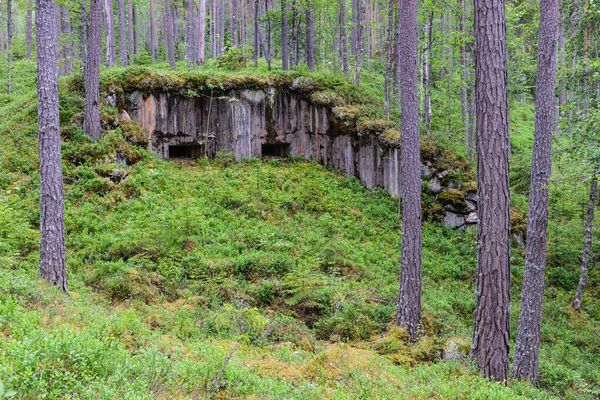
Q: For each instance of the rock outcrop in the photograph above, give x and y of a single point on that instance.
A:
(285, 121)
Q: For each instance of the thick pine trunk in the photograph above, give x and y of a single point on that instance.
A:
(360, 41)
(91, 121)
(52, 236)
(122, 34)
(202, 31)
(29, 30)
(111, 53)
(491, 335)
(527, 348)
(284, 37)
(408, 314)
(587, 244)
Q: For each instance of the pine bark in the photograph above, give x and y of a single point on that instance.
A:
(284, 37)
(587, 245)
(491, 334)
(343, 30)
(52, 238)
(111, 53)
(134, 30)
(152, 32)
(191, 40)
(464, 60)
(131, 48)
(408, 314)
(234, 23)
(397, 41)
(427, 74)
(268, 39)
(360, 41)
(91, 121)
(170, 34)
(9, 34)
(256, 42)
(29, 30)
(526, 362)
(310, 36)
(65, 23)
(83, 40)
(389, 59)
(122, 34)
(202, 31)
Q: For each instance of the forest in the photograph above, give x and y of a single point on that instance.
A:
(299, 199)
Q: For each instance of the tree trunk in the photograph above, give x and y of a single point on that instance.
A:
(427, 74)
(170, 33)
(268, 40)
(353, 31)
(52, 236)
(587, 244)
(221, 27)
(122, 34)
(527, 348)
(202, 32)
(256, 42)
(465, 71)
(343, 38)
(284, 37)
(111, 54)
(84, 38)
(130, 30)
(408, 314)
(152, 32)
(360, 41)
(134, 30)
(234, 23)
(29, 30)
(65, 27)
(397, 40)
(491, 335)
(91, 122)
(9, 30)
(389, 60)
(310, 36)
(191, 40)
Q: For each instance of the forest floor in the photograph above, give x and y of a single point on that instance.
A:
(262, 279)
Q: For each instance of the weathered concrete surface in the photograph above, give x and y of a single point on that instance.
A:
(243, 120)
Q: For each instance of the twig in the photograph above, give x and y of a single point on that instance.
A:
(217, 381)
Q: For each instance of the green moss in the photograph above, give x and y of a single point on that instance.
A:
(453, 197)
(470, 187)
(518, 221)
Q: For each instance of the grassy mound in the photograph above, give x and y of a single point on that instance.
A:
(170, 264)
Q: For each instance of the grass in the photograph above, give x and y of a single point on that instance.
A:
(170, 264)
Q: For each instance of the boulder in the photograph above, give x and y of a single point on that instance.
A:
(434, 186)
(472, 218)
(453, 220)
(426, 172)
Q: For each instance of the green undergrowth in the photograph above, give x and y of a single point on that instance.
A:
(171, 264)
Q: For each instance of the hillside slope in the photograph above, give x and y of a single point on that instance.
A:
(171, 264)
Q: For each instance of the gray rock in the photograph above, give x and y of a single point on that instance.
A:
(472, 218)
(111, 101)
(471, 206)
(453, 220)
(124, 116)
(426, 172)
(434, 186)
(472, 197)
